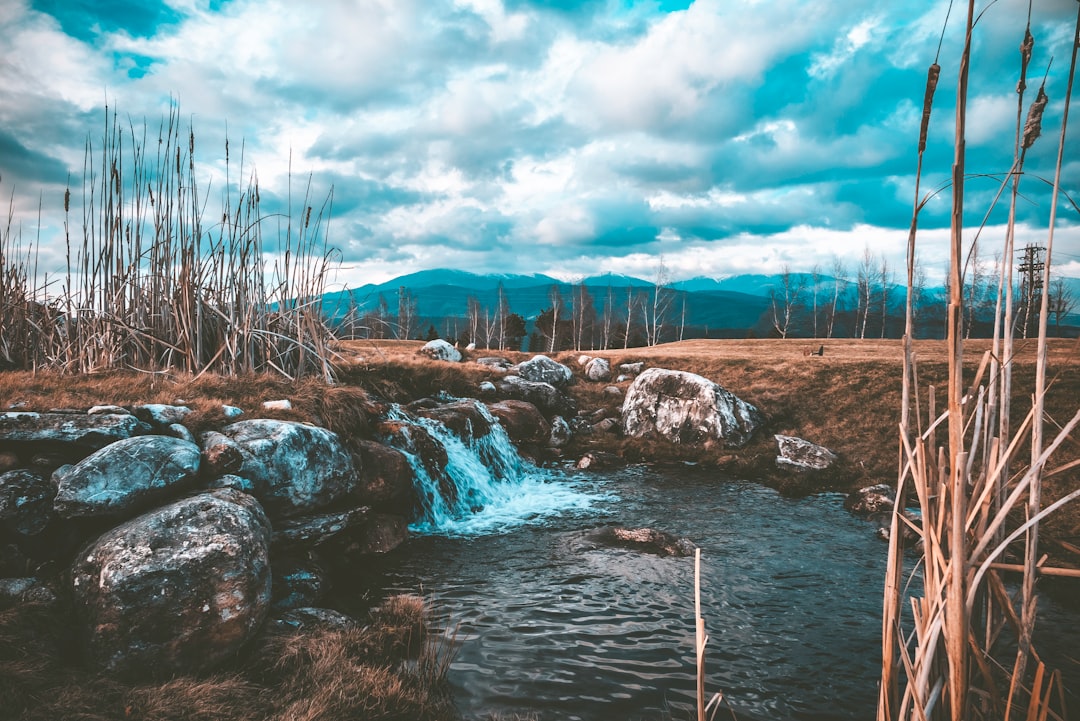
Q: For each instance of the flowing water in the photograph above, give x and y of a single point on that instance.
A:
(557, 625)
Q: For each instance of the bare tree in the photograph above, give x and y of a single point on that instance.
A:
(556, 310)
(406, 314)
(583, 317)
(840, 280)
(1062, 301)
(655, 314)
(608, 319)
(864, 282)
(502, 312)
(786, 299)
(473, 314)
(815, 278)
(886, 278)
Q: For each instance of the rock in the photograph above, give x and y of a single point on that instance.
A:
(440, 350)
(282, 405)
(800, 455)
(522, 421)
(613, 391)
(543, 395)
(464, 418)
(598, 461)
(221, 455)
(645, 539)
(583, 360)
(105, 410)
(296, 468)
(623, 378)
(178, 430)
(386, 479)
(497, 363)
(178, 590)
(560, 432)
(607, 425)
(232, 481)
(471, 347)
(86, 432)
(231, 412)
(26, 502)
(686, 408)
(313, 619)
(46, 462)
(316, 529)
(598, 369)
(541, 369)
(632, 369)
(125, 477)
(382, 533)
(161, 415)
(486, 388)
(297, 583)
(15, 591)
(870, 500)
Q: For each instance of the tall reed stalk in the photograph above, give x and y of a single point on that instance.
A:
(152, 282)
(946, 649)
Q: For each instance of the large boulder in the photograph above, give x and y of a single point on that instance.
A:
(83, 431)
(545, 396)
(439, 349)
(686, 408)
(522, 421)
(177, 590)
(125, 477)
(296, 468)
(541, 369)
(800, 455)
(464, 418)
(386, 479)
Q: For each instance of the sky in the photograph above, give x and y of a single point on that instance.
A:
(707, 138)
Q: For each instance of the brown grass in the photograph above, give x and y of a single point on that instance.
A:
(372, 672)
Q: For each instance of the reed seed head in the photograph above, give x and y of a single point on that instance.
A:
(1033, 125)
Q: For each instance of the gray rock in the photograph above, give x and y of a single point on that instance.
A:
(613, 391)
(297, 583)
(312, 619)
(316, 529)
(686, 408)
(25, 590)
(800, 455)
(178, 590)
(125, 477)
(497, 363)
(541, 369)
(178, 430)
(598, 369)
(160, 414)
(279, 405)
(296, 468)
(522, 421)
(232, 481)
(543, 395)
(107, 409)
(386, 479)
(871, 500)
(221, 455)
(231, 412)
(650, 540)
(632, 369)
(599, 460)
(606, 426)
(440, 350)
(487, 388)
(560, 432)
(86, 432)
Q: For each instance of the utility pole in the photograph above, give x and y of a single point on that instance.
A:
(1031, 280)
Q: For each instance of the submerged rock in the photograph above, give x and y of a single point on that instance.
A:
(649, 540)
(686, 408)
(871, 500)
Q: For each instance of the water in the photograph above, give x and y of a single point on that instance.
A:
(556, 625)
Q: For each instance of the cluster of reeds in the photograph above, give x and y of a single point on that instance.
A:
(153, 282)
(960, 647)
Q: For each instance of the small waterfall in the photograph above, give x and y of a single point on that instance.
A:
(480, 485)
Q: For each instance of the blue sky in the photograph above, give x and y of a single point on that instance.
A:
(569, 138)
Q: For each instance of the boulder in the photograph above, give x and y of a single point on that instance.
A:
(316, 529)
(221, 455)
(464, 418)
(26, 502)
(871, 500)
(543, 395)
(799, 455)
(440, 350)
(498, 363)
(296, 468)
(541, 369)
(560, 432)
(125, 477)
(598, 369)
(86, 432)
(160, 414)
(386, 479)
(632, 369)
(686, 408)
(522, 421)
(178, 590)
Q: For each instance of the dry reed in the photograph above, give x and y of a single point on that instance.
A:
(946, 644)
(153, 283)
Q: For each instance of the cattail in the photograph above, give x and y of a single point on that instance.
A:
(307, 218)
(1033, 125)
(932, 74)
(67, 200)
(1025, 58)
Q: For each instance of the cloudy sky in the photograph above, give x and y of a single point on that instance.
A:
(570, 138)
